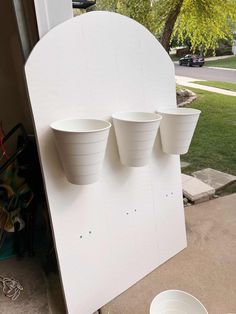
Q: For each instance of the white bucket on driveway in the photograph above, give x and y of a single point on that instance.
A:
(81, 144)
(135, 134)
(177, 129)
(176, 302)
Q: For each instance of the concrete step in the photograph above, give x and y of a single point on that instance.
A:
(195, 190)
(217, 179)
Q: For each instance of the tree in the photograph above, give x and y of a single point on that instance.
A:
(107, 5)
(167, 13)
(203, 22)
(139, 10)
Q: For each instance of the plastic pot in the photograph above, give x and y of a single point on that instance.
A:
(135, 134)
(81, 144)
(177, 129)
(176, 302)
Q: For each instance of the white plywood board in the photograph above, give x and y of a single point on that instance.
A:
(110, 234)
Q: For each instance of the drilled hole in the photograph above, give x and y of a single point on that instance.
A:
(81, 237)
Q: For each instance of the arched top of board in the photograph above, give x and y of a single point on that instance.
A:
(104, 56)
(98, 25)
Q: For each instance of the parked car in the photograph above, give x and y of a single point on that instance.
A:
(192, 60)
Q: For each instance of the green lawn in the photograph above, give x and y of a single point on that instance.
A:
(223, 63)
(223, 85)
(214, 141)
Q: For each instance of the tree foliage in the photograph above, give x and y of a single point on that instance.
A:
(203, 22)
(139, 10)
(107, 5)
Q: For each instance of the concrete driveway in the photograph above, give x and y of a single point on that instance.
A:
(206, 268)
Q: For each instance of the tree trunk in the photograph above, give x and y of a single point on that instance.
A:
(169, 25)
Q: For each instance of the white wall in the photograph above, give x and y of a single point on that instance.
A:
(49, 13)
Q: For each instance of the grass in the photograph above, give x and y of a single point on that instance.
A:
(214, 141)
(223, 85)
(222, 63)
(178, 87)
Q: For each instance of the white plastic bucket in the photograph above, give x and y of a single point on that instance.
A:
(135, 134)
(176, 302)
(81, 144)
(177, 129)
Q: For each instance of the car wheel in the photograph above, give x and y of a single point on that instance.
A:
(200, 65)
(189, 64)
(180, 63)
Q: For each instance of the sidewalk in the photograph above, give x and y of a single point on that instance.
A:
(218, 68)
(189, 82)
(217, 58)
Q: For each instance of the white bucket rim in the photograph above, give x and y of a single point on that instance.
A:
(179, 111)
(56, 125)
(135, 116)
(181, 292)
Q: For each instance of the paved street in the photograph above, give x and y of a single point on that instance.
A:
(205, 73)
